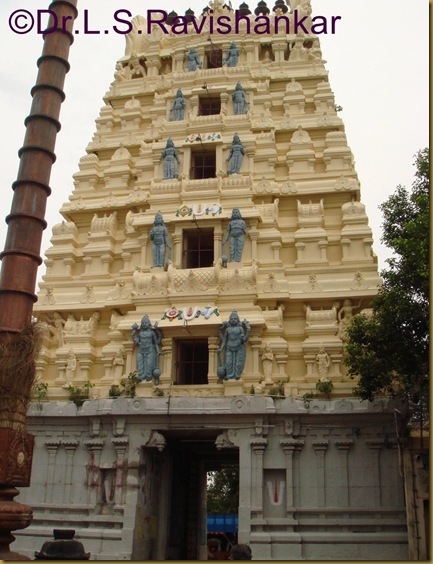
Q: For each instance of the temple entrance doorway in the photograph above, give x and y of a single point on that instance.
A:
(171, 514)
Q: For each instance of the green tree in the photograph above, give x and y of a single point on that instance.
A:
(223, 490)
(389, 351)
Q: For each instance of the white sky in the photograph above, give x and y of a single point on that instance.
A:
(378, 70)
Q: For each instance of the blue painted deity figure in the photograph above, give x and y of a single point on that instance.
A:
(236, 154)
(233, 335)
(239, 100)
(170, 158)
(160, 241)
(147, 339)
(177, 110)
(236, 230)
(193, 60)
(232, 57)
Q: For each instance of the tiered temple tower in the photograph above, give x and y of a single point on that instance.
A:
(219, 178)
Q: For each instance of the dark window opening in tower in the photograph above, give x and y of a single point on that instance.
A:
(214, 58)
(209, 105)
(203, 164)
(192, 361)
(197, 248)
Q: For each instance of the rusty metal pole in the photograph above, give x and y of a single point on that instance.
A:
(20, 261)
(20, 258)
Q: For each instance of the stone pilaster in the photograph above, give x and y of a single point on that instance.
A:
(320, 447)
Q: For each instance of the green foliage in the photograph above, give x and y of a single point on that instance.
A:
(39, 391)
(307, 398)
(394, 342)
(79, 394)
(223, 490)
(114, 391)
(325, 387)
(127, 386)
(277, 391)
(157, 392)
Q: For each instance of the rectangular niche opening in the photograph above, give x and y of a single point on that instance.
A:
(209, 105)
(197, 248)
(203, 163)
(192, 361)
(214, 58)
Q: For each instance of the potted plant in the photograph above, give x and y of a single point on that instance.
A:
(307, 398)
(277, 390)
(114, 391)
(39, 393)
(128, 385)
(79, 394)
(325, 387)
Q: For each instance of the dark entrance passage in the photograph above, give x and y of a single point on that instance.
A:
(193, 457)
(174, 525)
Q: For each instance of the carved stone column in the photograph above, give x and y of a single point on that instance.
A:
(153, 65)
(52, 447)
(254, 235)
(178, 62)
(194, 105)
(250, 49)
(212, 371)
(289, 447)
(217, 243)
(278, 49)
(87, 265)
(258, 445)
(106, 260)
(166, 359)
(320, 447)
(126, 257)
(276, 246)
(281, 360)
(143, 240)
(255, 344)
(343, 449)
(69, 263)
(375, 446)
(224, 101)
(70, 447)
(176, 253)
(120, 445)
(128, 347)
(93, 469)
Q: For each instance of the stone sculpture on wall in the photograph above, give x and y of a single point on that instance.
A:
(345, 315)
(239, 100)
(118, 365)
(122, 73)
(177, 110)
(71, 366)
(137, 68)
(81, 326)
(232, 57)
(267, 361)
(147, 339)
(193, 60)
(170, 158)
(236, 154)
(323, 363)
(233, 335)
(55, 328)
(236, 231)
(160, 241)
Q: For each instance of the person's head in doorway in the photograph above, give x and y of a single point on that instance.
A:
(240, 552)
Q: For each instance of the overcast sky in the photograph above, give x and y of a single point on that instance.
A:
(378, 70)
